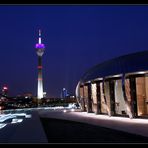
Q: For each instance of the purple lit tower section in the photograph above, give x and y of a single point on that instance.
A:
(40, 51)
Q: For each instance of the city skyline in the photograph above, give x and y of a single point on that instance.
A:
(77, 37)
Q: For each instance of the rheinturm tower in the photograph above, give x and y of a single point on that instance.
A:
(40, 51)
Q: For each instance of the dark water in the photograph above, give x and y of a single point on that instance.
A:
(62, 131)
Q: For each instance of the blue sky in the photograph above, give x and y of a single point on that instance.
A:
(76, 37)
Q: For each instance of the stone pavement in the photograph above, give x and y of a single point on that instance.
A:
(135, 126)
(31, 129)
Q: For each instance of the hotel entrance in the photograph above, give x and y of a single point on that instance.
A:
(102, 100)
(112, 97)
(142, 95)
(120, 106)
(137, 94)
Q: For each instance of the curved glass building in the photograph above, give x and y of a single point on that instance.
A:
(117, 87)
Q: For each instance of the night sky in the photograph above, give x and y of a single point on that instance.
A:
(76, 38)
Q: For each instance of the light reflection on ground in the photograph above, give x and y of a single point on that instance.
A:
(112, 118)
(2, 125)
(13, 117)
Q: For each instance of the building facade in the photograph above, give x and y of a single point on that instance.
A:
(118, 87)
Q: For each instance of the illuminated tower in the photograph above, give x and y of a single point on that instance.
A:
(40, 50)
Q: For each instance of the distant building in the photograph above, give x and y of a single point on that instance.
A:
(27, 95)
(64, 93)
(44, 94)
(5, 90)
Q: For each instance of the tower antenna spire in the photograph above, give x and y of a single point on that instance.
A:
(40, 36)
(39, 32)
